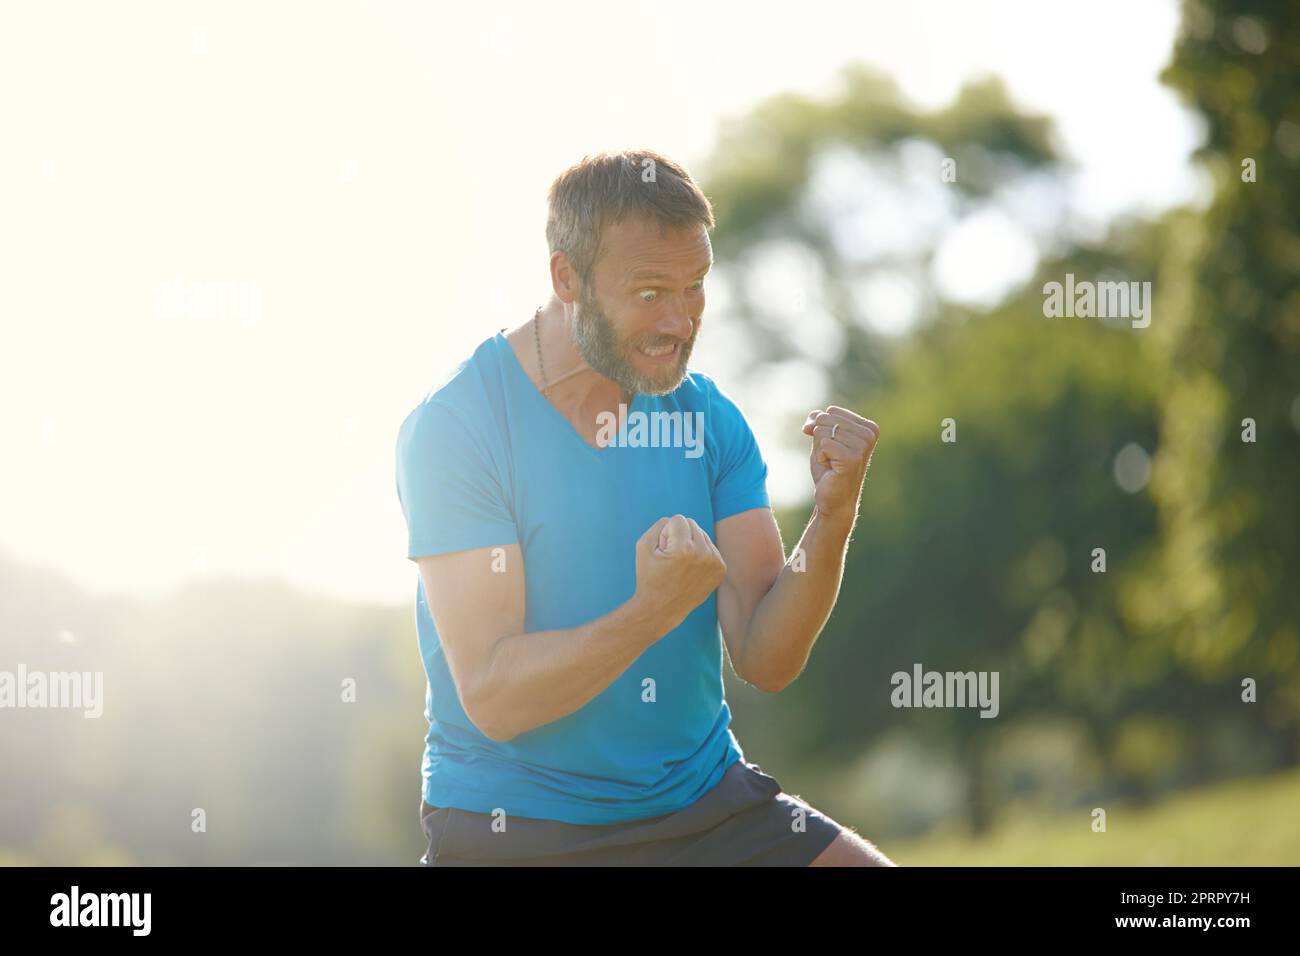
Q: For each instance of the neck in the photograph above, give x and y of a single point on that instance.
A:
(571, 383)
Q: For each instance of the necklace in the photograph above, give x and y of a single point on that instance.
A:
(537, 334)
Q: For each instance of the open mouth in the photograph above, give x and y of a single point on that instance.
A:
(659, 353)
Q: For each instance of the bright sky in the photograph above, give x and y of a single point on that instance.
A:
(239, 241)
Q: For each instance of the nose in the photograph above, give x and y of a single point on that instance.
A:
(677, 323)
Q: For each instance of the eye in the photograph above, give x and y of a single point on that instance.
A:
(650, 292)
(697, 285)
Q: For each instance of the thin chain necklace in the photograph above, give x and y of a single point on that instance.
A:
(537, 334)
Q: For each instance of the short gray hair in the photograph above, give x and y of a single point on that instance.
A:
(612, 187)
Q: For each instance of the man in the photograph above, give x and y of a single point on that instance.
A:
(575, 566)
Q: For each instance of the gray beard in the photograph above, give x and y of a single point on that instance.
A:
(602, 350)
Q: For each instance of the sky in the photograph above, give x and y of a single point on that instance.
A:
(240, 241)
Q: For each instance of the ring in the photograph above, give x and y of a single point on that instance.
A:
(833, 427)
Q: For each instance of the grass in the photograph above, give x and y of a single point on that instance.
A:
(1248, 822)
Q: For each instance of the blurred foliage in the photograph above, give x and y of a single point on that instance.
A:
(975, 555)
(1230, 509)
(1117, 689)
(759, 176)
(1250, 822)
(228, 697)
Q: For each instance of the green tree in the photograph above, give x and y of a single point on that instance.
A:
(1222, 595)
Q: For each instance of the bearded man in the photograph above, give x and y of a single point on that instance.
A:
(575, 593)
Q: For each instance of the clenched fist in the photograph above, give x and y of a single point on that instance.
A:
(677, 568)
(841, 452)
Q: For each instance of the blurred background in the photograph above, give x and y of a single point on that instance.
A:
(239, 242)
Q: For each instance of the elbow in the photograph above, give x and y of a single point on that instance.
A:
(486, 717)
(771, 682)
(766, 684)
(489, 728)
(497, 736)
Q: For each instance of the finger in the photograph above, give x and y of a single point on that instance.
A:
(676, 534)
(836, 453)
(700, 535)
(668, 535)
(851, 416)
(706, 543)
(839, 428)
(810, 420)
(857, 423)
(850, 440)
(653, 535)
(830, 418)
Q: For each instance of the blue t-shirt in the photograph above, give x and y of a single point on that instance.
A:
(485, 460)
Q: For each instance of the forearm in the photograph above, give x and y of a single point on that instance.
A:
(790, 617)
(535, 678)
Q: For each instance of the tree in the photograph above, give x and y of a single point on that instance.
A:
(1223, 595)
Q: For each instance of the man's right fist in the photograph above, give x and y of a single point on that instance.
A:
(677, 568)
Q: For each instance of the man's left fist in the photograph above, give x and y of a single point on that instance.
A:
(841, 450)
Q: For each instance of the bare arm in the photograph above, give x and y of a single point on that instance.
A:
(772, 612)
(510, 681)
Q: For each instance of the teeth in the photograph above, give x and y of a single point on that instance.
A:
(661, 350)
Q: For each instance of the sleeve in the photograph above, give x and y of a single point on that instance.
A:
(741, 477)
(449, 490)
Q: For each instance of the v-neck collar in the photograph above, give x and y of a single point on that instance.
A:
(530, 387)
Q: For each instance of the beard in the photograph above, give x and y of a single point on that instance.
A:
(613, 358)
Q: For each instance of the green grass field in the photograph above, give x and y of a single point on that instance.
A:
(1249, 822)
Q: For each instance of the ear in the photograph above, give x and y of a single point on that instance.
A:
(565, 280)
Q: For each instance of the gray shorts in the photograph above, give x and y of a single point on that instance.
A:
(746, 820)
